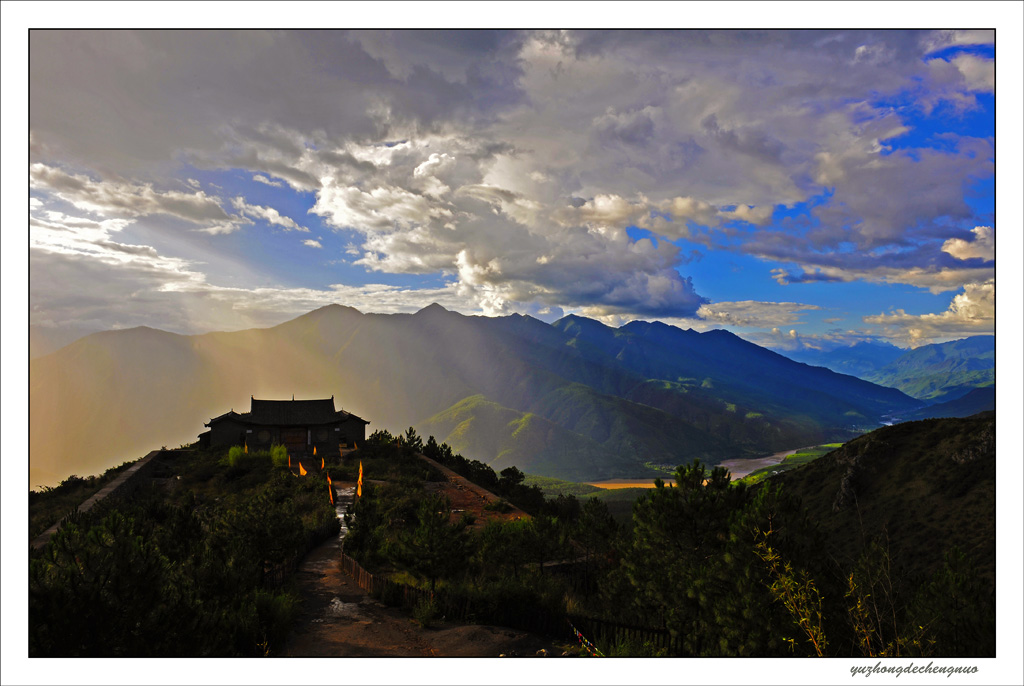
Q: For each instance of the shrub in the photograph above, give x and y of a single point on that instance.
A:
(498, 506)
(279, 455)
(425, 612)
(235, 455)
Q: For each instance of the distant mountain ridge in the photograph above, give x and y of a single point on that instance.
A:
(942, 371)
(938, 372)
(859, 359)
(630, 398)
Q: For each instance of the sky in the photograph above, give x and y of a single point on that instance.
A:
(800, 188)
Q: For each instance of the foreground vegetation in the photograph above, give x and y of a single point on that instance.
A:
(49, 505)
(724, 569)
(191, 567)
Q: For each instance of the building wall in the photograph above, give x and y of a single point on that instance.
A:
(227, 432)
(326, 438)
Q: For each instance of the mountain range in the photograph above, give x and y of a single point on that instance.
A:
(574, 399)
(859, 359)
(942, 371)
(939, 372)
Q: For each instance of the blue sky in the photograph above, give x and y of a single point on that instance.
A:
(217, 181)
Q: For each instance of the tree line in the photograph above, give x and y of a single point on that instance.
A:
(728, 570)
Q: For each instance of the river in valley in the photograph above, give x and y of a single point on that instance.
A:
(739, 467)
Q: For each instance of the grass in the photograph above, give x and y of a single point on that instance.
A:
(552, 488)
(797, 459)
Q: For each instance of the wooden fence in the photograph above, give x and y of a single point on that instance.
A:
(607, 634)
(459, 607)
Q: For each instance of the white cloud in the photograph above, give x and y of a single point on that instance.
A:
(792, 340)
(312, 243)
(384, 208)
(982, 246)
(970, 313)
(125, 199)
(267, 214)
(221, 229)
(748, 213)
(979, 72)
(937, 40)
(754, 314)
(260, 178)
(935, 279)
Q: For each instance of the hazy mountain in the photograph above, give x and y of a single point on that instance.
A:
(942, 371)
(644, 393)
(43, 340)
(921, 487)
(858, 359)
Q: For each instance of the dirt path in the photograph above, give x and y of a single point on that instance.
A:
(339, 619)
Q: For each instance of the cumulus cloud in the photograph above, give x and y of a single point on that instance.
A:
(982, 246)
(514, 162)
(312, 243)
(384, 208)
(979, 72)
(970, 313)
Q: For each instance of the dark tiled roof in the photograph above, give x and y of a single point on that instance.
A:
(281, 412)
(290, 413)
(227, 415)
(296, 412)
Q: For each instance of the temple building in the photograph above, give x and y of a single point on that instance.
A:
(299, 425)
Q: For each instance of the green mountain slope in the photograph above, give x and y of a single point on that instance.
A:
(975, 401)
(480, 429)
(943, 371)
(922, 486)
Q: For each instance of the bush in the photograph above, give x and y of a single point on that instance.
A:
(279, 455)
(498, 506)
(425, 612)
(235, 455)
